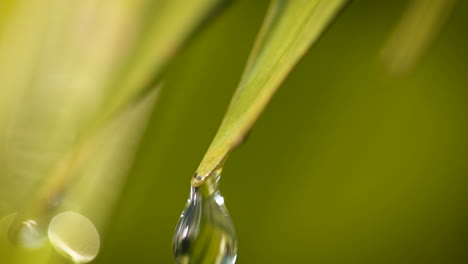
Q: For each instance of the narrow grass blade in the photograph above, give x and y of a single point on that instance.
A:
(289, 29)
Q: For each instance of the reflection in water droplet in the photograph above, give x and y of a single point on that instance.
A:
(205, 233)
(74, 236)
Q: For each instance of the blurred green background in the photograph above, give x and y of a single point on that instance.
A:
(348, 164)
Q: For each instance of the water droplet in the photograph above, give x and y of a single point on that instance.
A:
(30, 235)
(74, 236)
(205, 233)
(26, 233)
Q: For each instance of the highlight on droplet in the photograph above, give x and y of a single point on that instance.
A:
(74, 236)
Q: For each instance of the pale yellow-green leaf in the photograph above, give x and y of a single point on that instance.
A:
(70, 67)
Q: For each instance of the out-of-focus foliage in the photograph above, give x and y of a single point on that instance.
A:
(79, 79)
(418, 27)
(347, 165)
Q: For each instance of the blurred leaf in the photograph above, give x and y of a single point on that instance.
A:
(419, 26)
(109, 158)
(289, 29)
(169, 24)
(72, 67)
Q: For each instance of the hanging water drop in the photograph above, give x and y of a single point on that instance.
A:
(74, 236)
(205, 233)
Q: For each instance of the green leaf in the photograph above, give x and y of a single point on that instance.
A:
(289, 29)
